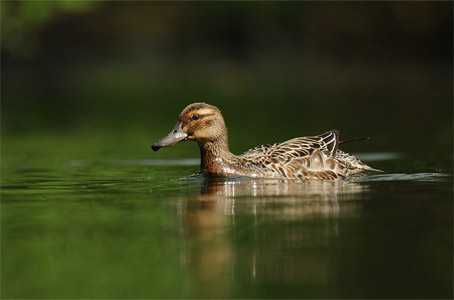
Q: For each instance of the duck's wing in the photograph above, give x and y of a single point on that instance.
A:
(295, 148)
(305, 158)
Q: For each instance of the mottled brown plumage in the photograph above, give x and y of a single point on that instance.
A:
(315, 157)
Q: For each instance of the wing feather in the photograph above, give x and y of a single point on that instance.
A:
(300, 147)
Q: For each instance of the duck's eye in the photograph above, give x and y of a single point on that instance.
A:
(195, 117)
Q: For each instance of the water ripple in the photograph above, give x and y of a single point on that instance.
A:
(433, 177)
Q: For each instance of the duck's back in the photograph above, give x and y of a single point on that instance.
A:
(315, 157)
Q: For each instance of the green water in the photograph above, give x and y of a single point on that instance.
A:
(147, 229)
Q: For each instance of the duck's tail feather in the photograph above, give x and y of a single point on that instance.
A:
(354, 140)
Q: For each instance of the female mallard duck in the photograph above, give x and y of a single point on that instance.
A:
(315, 157)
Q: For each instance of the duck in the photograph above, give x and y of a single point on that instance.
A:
(304, 158)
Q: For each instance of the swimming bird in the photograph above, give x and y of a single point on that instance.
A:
(313, 157)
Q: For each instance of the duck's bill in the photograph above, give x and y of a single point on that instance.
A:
(176, 135)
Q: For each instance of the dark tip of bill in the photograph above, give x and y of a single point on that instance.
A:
(155, 147)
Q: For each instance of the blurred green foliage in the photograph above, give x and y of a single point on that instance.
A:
(23, 21)
(119, 73)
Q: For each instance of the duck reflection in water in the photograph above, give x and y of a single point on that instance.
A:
(264, 230)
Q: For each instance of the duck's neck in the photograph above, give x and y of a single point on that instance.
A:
(215, 156)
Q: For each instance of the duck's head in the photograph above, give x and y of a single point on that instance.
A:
(198, 122)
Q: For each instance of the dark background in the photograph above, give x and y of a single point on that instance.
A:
(89, 79)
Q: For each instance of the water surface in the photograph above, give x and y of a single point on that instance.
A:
(150, 229)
